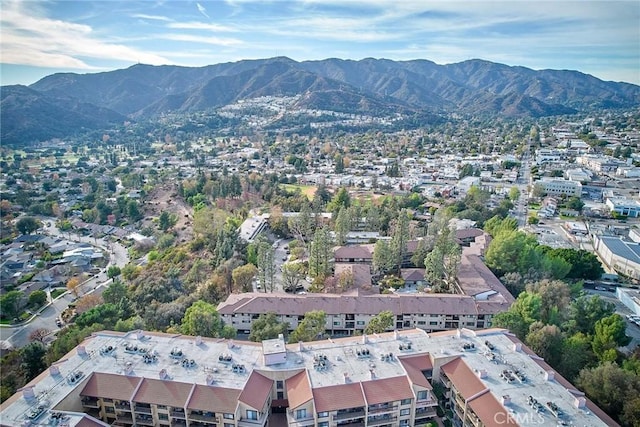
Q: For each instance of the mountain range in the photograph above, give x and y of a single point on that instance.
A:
(66, 102)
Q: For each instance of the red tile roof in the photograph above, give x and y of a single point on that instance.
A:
(214, 399)
(163, 392)
(299, 389)
(256, 391)
(414, 365)
(463, 378)
(336, 397)
(491, 412)
(110, 386)
(386, 390)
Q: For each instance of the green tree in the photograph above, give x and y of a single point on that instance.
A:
(266, 265)
(342, 226)
(341, 199)
(514, 194)
(379, 323)
(576, 354)
(202, 319)
(242, 277)
(338, 162)
(575, 203)
(613, 389)
(382, 257)
(554, 299)
(166, 220)
(33, 361)
(105, 314)
(292, 275)
(115, 292)
(320, 253)
(113, 271)
(546, 341)
(302, 225)
(267, 326)
(11, 304)
(584, 264)
(311, 328)
(37, 298)
(585, 311)
(399, 238)
(609, 333)
(28, 224)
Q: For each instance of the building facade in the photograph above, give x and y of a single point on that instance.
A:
(384, 380)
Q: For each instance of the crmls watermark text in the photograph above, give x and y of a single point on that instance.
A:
(503, 418)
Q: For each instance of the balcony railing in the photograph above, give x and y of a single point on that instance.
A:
(143, 409)
(386, 419)
(349, 415)
(426, 403)
(123, 406)
(202, 417)
(351, 424)
(90, 402)
(425, 412)
(177, 414)
(299, 422)
(124, 417)
(382, 409)
(145, 421)
(245, 422)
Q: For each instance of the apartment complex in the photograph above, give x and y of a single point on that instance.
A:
(558, 187)
(350, 314)
(489, 378)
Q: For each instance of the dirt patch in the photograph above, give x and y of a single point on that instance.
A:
(165, 198)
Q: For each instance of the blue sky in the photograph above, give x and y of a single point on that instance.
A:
(38, 38)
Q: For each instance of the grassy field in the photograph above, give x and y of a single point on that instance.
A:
(307, 190)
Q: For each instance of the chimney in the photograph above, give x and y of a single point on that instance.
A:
(198, 340)
(163, 374)
(396, 335)
(506, 399)
(54, 370)
(549, 375)
(300, 346)
(517, 347)
(482, 373)
(210, 379)
(81, 350)
(364, 339)
(27, 393)
(128, 368)
(580, 402)
(280, 336)
(140, 334)
(372, 373)
(230, 344)
(346, 377)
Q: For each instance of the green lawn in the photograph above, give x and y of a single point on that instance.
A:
(57, 292)
(307, 190)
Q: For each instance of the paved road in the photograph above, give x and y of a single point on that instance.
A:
(118, 255)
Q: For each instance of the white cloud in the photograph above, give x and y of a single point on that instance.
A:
(218, 41)
(202, 10)
(201, 26)
(29, 39)
(151, 17)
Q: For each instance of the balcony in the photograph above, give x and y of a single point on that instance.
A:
(292, 421)
(346, 415)
(124, 417)
(123, 406)
(142, 409)
(245, 422)
(382, 409)
(207, 417)
(355, 423)
(379, 420)
(178, 423)
(177, 413)
(426, 412)
(90, 402)
(144, 420)
(426, 403)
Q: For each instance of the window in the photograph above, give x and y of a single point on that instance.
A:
(280, 395)
(360, 322)
(163, 416)
(421, 322)
(109, 409)
(422, 395)
(433, 322)
(405, 402)
(162, 406)
(323, 424)
(229, 425)
(252, 415)
(337, 323)
(405, 411)
(323, 414)
(228, 416)
(404, 422)
(279, 384)
(301, 413)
